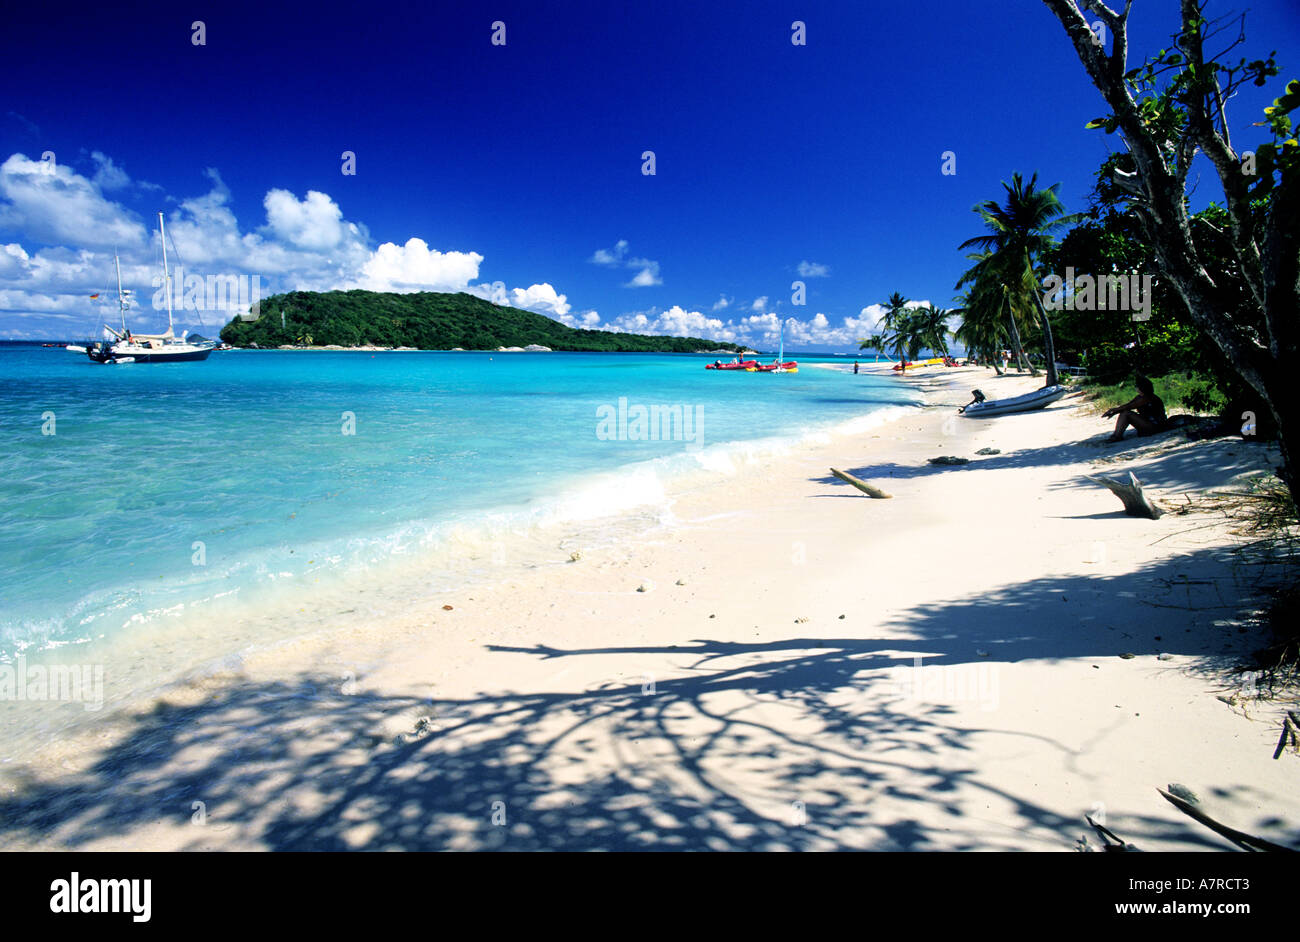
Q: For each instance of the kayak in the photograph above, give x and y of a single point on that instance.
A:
(1026, 403)
(935, 361)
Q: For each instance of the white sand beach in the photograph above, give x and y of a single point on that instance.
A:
(747, 677)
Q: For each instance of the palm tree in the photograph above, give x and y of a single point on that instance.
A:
(895, 305)
(1020, 230)
(1018, 348)
(993, 304)
(931, 327)
(889, 339)
(874, 342)
(916, 328)
(982, 328)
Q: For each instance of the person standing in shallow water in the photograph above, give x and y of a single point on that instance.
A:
(1145, 412)
(855, 367)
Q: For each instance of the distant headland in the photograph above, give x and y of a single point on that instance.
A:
(430, 320)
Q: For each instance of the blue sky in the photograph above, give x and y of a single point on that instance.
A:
(518, 167)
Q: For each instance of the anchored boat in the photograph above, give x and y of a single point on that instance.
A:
(736, 364)
(780, 364)
(126, 347)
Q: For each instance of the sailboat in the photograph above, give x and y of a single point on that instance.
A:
(780, 364)
(126, 347)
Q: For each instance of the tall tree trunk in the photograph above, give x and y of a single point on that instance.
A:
(1022, 361)
(1048, 344)
(1268, 262)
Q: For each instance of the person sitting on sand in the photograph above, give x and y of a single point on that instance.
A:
(1145, 412)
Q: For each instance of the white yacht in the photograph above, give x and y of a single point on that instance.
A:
(126, 347)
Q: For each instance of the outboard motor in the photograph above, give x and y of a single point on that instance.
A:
(976, 397)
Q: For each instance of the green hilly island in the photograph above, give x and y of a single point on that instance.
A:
(429, 321)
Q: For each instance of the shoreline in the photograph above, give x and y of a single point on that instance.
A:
(744, 676)
(154, 651)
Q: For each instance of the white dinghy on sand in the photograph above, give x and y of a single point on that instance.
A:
(986, 408)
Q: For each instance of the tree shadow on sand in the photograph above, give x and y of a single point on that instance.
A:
(804, 743)
(1167, 461)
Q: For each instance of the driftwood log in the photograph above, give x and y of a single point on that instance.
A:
(1191, 807)
(1290, 728)
(1136, 503)
(869, 489)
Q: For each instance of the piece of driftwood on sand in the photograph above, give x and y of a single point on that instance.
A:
(1290, 727)
(1192, 809)
(869, 489)
(1136, 503)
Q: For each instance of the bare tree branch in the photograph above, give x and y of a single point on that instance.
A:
(1190, 114)
(1205, 85)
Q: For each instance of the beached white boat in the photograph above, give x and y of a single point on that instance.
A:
(986, 408)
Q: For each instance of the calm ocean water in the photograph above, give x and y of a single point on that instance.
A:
(131, 493)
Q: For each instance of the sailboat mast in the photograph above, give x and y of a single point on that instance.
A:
(167, 281)
(121, 301)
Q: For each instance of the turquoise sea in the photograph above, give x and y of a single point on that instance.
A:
(133, 494)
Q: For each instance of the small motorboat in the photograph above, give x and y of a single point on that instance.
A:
(982, 408)
(733, 365)
(780, 364)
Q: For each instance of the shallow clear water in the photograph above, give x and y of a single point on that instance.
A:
(132, 491)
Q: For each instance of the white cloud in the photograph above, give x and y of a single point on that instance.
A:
(675, 322)
(540, 298)
(617, 257)
(416, 267)
(588, 320)
(205, 231)
(108, 176)
(647, 276)
(13, 260)
(871, 315)
(314, 223)
(722, 303)
(682, 323)
(813, 270)
(611, 258)
(762, 328)
(52, 204)
(303, 244)
(759, 304)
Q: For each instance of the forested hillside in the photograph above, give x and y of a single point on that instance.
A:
(429, 321)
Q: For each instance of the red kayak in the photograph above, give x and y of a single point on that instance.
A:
(742, 365)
